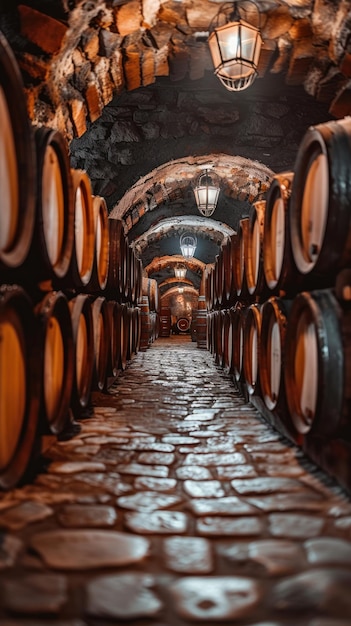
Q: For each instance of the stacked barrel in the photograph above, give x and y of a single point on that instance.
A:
(70, 285)
(150, 312)
(278, 299)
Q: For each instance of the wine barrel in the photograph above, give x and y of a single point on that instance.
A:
(17, 165)
(145, 321)
(227, 341)
(251, 349)
(138, 280)
(98, 278)
(165, 322)
(229, 291)
(151, 290)
(136, 329)
(210, 289)
(83, 344)
(201, 323)
(102, 342)
(81, 266)
(183, 324)
(278, 261)
(219, 280)
(272, 353)
(239, 313)
(320, 217)
(55, 347)
(318, 364)
(52, 248)
(253, 253)
(19, 384)
(239, 259)
(117, 260)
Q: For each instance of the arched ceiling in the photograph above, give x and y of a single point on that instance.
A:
(130, 85)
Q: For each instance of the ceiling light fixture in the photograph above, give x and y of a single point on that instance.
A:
(180, 271)
(188, 243)
(235, 47)
(206, 193)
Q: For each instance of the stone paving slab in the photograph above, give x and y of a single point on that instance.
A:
(175, 504)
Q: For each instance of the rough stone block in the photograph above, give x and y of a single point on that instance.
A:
(132, 67)
(300, 60)
(94, 105)
(128, 18)
(43, 30)
(78, 117)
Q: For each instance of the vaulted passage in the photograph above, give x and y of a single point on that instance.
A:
(175, 502)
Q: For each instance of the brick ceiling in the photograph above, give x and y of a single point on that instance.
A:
(130, 85)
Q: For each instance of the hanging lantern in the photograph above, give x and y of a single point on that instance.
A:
(188, 243)
(235, 49)
(206, 193)
(180, 271)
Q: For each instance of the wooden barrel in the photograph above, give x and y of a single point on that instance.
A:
(165, 322)
(210, 289)
(136, 329)
(279, 265)
(227, 342)
(151, 290)
(19, 384)
(219, 280)
(102, 341)
(318, 364)
(229, 296)
(117, 260)
(18, 164)
(145, 331)
(238, 325)
(239, 259)
(253, 253)
(138, 280)
(183, 324)
(320, 217)
(98, 278)
(51, 253)
(217, 337)
(201, 323)
(55, 345)
(83, 344)
(81, 266)
(251, 349)
(272, 352)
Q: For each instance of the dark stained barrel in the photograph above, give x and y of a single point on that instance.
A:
(318, 364)
(146, 324)
(99, 275)
(102, 342)
(239, 259)
(320, 216)
(238, 325)
(51, 253)
(253, 253)
(227, 343)
(56, 350)
(201, 324)
(272, 352)
(280, 270)
(251, 349)
(151, 290)
(18, 164)
(19, 384)
(83, 344)
(165, 322)
(117, 260)
(81, 266)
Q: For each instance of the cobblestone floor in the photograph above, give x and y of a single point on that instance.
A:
(175, 504)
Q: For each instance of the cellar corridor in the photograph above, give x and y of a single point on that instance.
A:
(175, 503)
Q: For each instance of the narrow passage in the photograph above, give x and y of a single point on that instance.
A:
(175, 504)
